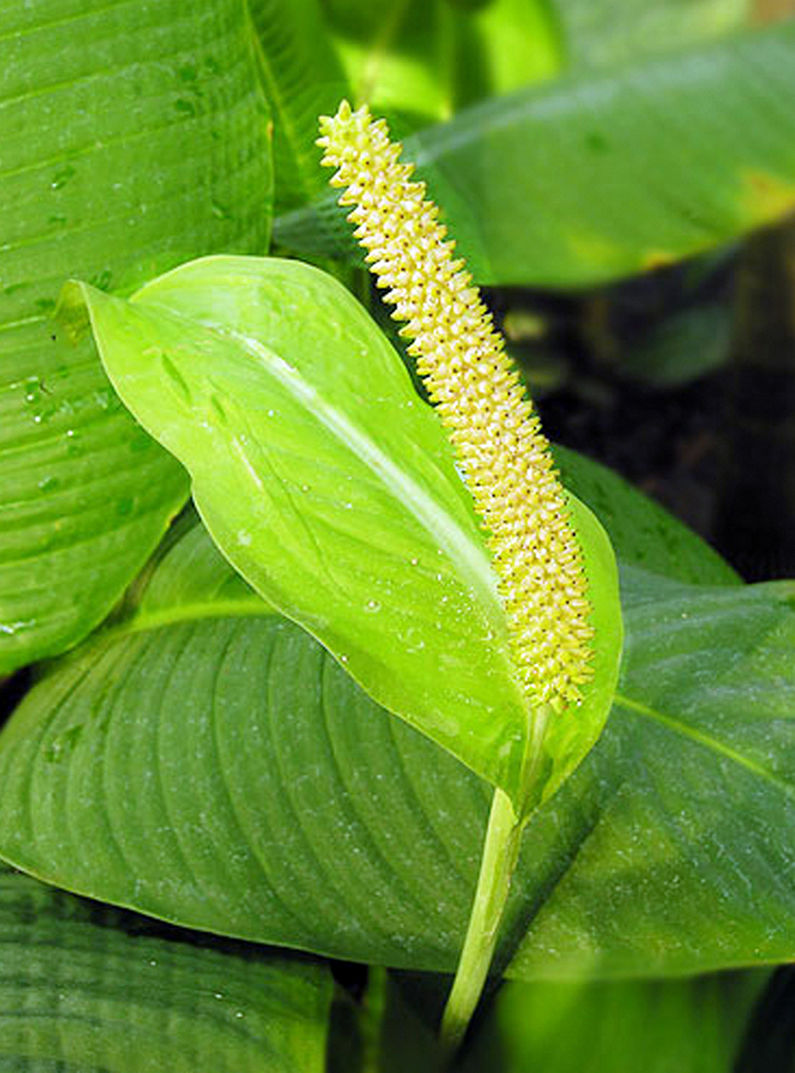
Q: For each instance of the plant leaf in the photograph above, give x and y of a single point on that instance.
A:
(331, 488)
(602, 175)
(303, 79)
(228, 775)
(642, 533)
(604, 33)
(119, 160)
(691, 1026)
(687, 1026)
(87, 989)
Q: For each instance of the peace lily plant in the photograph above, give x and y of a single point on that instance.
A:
(324, 633)
(211, 359)
(506, 464)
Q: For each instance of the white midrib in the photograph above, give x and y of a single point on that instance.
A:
(470, 558)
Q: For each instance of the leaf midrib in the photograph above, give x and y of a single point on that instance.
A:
(676, 726)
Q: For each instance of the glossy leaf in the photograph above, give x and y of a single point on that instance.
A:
(132, 139)
(87, 989)
(602, 175)
(227, 774)
(331, 488)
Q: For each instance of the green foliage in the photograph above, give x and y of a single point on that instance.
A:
(663, 1026)
(208, 763)
(602, 33)
(303, 78)
(223, 755)
(422, 60)
(85, 989)
(332, 489)
(597, 176)
(660, 1026)
(119, 160)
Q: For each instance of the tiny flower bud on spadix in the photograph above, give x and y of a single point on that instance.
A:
(500, 449)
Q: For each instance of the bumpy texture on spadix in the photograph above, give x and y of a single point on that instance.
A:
(503, 455)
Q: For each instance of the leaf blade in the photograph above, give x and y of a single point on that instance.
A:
(88, 988)
(112, 168)
(282, 805)
(332, 488)
(605, 174)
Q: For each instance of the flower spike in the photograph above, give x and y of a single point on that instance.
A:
(461, 357)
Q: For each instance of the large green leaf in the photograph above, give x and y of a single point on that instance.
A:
(86, 989)
(601, 175)
(133, 137)
(227, 774)
(332, 489)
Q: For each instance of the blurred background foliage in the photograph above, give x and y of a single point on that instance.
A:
(616, 152)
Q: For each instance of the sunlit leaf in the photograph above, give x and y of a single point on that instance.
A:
(331, 487)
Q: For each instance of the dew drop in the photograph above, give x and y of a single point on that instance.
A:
(372, 605)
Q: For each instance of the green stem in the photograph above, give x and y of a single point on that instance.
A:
(500, 852)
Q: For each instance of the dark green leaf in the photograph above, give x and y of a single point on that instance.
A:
(227, 774)
(86, 989)
(133, 137)
(602, 175)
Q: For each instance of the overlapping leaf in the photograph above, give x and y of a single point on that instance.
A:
(331, 487)
(85, 989)
(601, 175)
(133, 138)
(227, 774)
(303, 78)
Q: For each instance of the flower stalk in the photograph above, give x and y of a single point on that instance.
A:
(505, 460)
